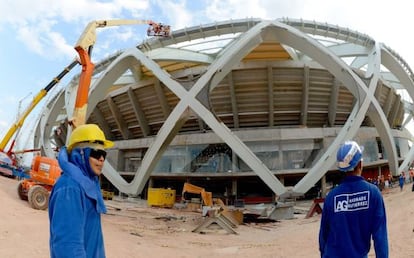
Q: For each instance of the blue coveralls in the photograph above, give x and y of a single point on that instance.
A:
(352, 213)
(75, 208)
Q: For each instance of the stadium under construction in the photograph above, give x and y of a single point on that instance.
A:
(248, 109)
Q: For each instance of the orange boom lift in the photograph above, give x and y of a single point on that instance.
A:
(46, 170)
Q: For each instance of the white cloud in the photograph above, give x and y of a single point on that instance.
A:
(27, 16)
(235, 9)
(41, 24)
(40, 39)
(175, 13)
(60, 46)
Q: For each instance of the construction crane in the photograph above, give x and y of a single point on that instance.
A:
(84, 48)
(14, 129)
(46, 170)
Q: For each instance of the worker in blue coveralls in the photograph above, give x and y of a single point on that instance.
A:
(76, 201)
(353, 212)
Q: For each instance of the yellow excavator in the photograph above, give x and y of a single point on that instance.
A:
(45, 170)
(206, 197)
(215, 206)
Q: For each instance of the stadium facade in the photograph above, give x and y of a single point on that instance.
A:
(248, 109)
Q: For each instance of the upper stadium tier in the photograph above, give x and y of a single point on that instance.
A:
(269, 98)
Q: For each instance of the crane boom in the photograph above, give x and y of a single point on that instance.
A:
(36, 99)
(84, 47)
(88, 37)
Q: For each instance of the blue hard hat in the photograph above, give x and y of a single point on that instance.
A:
(348, 156)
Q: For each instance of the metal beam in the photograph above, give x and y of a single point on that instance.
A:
(122, 126)
(305, 97)
(103, 123)
(270, 83)
(333, 102)
(233, 100)
(139, 114)
(166, 109)
(394, 111)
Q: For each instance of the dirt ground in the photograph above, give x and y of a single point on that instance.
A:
(131, 229)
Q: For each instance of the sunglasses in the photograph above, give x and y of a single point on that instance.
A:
(97, 154)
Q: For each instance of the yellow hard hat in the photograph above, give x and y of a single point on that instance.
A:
(88, 133)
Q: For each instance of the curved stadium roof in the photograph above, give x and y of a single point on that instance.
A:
(238, 75)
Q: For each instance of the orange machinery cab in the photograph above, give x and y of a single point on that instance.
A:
(43, 175)
(45, 170)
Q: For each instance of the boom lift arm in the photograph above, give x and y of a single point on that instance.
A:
(36, 189)
(84, 48)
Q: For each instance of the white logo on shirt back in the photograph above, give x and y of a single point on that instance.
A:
(351, 202)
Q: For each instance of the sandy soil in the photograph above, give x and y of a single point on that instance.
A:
(133, 230)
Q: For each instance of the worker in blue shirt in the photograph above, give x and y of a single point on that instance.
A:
(353, 212)
(76, 202)
(401, 181)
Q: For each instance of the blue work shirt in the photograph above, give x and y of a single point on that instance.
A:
(75, 208)
(352, 213)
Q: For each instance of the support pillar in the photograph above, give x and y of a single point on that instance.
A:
(323, 187)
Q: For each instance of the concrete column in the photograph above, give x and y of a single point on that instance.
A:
(150, 183)
(234, 162)
(234, 187)
(281, 156)
(323, 187)
(116, 157)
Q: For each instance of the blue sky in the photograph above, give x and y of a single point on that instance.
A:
(38, 36)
